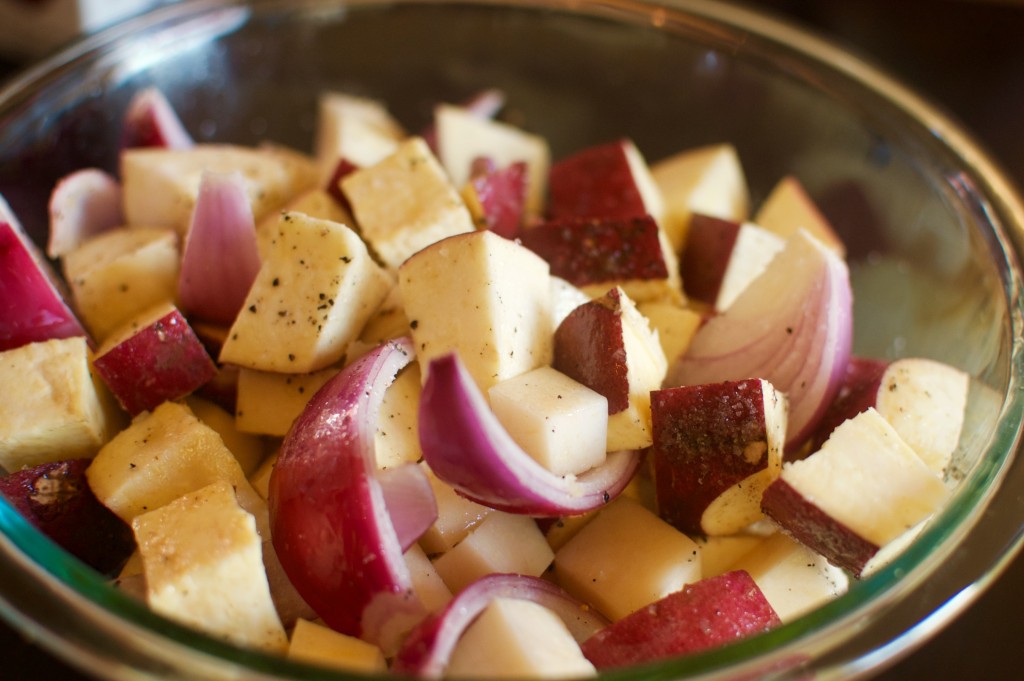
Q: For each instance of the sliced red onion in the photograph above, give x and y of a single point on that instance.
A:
(467, 447)
(151, 121)
(220, 259)
(428, 648)
(792, 327)
(410, 501)
(329, 522)
(31, 308)
(83, 204)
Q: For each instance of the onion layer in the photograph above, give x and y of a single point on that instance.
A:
(428, 648)
(792, 327)
(466, 446)
(330, 525)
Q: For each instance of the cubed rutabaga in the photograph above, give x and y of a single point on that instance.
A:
(516, 639)
(484, 297)
(861, 490)
(559, 422)
(358, 129)
(502, 542)
(316, 288)
(204, 567)
(626, 558)
(161, 456)
(121, 272)
(716, 448)
(463, 136)
(405, 203)
(160, 186)
(54, 408)
(789, 208)
(608, 346)
(707, 180)
(316, 644)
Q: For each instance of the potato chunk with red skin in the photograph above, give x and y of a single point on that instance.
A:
(703, 615)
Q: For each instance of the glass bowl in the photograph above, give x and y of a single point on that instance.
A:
(934, 232)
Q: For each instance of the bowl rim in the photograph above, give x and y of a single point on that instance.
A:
(77, 588)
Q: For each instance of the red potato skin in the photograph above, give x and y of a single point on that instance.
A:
(594, 182)
(163, 361)
(815, 529)
(56, 498)
(586, 251)
(858, 392)
(333, 189)
(31, 309)
(502, 194)
(704, 615)
(589, 349)
(709, 245)
(701, 434)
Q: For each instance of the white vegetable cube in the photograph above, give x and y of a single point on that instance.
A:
(316, 644)
(674, 324)
(433, 593)
(160, 185)
(564, 299)
(406, 202)
(626, 558)
(260, 478)
(120, 273)
(518, 639)
(463, 136)
(396, 440)
(484, 297)
(248, 449)
(357, 129)
(719, 553)
(561, 423)
(268, 402)
(789, 208)
(793, 578)
(707, 180)
(503, 542)
(316, 288)
(316, 203)
(163, 455)
(456, 517)
(53, 407)
(203, 563)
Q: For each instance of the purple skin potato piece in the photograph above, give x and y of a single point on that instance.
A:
(502, 194)
(702, 435)
(815, 529)
(589, 349)
(56, 498)
(858, 392)
(709, 245)
(164, 361)
(706, 614)
(595, 182)
(586, 251)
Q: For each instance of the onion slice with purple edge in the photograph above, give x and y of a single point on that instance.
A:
(467, 447)
(212, 287)
(792, 326)
(329, 522)
(410, 501)
(83, 204)
(150, 121)
(428, 648)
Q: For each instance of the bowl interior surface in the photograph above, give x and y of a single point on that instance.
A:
(929, 225)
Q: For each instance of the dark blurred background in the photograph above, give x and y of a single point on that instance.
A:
(967, 56)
